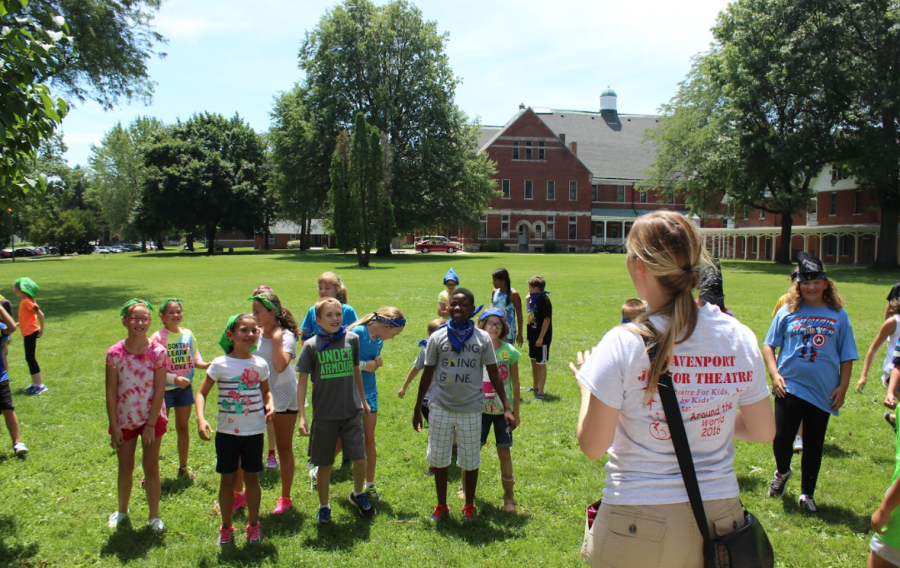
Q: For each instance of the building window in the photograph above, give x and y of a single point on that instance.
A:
(754, 241)
(812, 208)
(594, 189)
(573, 228)
(551, 226)
(538, 230)
(846, 245)
(838, 173)
(528, 150)
(672, 198)
(505, 185)
(551, 189)
(830, 244)
(292, 237)
(573, 191)
(642, 196)
(832, 209)
(529, 189)
(541, 151)
(762, 214)
(515, 149)
(857, 202)
(271, 239)
(504, 226)
(620, 193)
(482, 229)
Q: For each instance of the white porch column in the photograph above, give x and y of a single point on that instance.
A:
(758, 247)
(604, 232)
(744, 238)
(805, 242)
(837, 250)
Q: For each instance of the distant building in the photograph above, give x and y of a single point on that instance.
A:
(282, 232)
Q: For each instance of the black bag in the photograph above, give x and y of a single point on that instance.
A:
(748, 546)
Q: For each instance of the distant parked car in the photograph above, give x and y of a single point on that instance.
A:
(437, 244)
(102, 250)
(5, 253)
(27, 251)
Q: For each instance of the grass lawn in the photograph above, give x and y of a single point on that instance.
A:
(56, 502)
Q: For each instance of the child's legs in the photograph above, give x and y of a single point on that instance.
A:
(284, 437)
(12, 424)
(251, 451)
(30, 343)
(253, 492)
(369, 423)
(788, 414)
(125, 454)
(182, 417)
(876, 561)
(226, 496)
(353, 438)
(882, 555)
(150, 461)
(440, 441)
(541, 378)
(271, 436)
(535, 369)
(815, 422)
(323, 482)
(506, 466)
(468, 455)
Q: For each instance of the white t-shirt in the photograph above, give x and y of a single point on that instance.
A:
(888, 365)
(242, 410)
(283, 384)
(718, 369)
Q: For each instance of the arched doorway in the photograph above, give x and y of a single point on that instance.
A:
(523, 236)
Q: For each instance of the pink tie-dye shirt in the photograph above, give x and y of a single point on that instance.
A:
(135, 390)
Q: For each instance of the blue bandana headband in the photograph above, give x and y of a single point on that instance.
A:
(399, 322)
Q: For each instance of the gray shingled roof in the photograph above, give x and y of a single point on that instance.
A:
(486, 135)
(610, 153)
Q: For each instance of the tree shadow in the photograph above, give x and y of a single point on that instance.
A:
(243, 555)
(15, 554)
(127, 544)
(91, 298)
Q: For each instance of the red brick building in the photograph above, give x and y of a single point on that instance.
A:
(568, 176)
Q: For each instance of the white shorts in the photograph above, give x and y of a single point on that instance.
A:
(442, 424)
(885, 550)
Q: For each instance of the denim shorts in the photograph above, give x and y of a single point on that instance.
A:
(502, 436)
(179, 397)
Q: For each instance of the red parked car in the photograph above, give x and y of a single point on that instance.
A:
(437, 244)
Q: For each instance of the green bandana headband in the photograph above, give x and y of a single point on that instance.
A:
(266, 302)
(132, 302)
(162, 307)
(225, 343)
(28, 286)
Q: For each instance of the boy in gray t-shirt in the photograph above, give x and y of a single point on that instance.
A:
(456, 356)
(338, 401)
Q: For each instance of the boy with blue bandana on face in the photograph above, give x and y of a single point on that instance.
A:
(456, 356)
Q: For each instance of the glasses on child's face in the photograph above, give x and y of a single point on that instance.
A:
(139, 319)
(493, 325)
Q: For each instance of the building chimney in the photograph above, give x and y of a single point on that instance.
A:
(573, 146)
(562, 137)
(521, 106)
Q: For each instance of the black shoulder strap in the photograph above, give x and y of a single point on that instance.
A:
(679, 439)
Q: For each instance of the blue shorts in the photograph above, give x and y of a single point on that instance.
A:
(502, 435)
(372, 399)
(179, 397)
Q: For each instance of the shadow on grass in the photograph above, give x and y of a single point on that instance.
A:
(14, 554)
(833, 515)
(243, 555)
(343, 536)
(127, 544)
(836, 451)
(288, 523)
(493, 525)
(91, 298)
(755, 484)
(175, 485)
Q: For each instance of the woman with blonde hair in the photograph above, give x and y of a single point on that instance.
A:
(719, 379)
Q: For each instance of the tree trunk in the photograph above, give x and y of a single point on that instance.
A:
(189, 241)
(210, 239)
(784, 250)
(886, 252)
(266, 239)
(143, 244)
(384, 252)
(159, 243)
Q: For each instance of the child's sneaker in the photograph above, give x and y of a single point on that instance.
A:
(529, 389)
(324, 515)
(226, 536)
(28, 390)
(271, 461)
(779, 481)
(888, 417)
(156, 525)
(284, 503)
(117, 519)
(808, 504)
(314, 478)
(538, 396)
(469, 513)
(20, 449)
(362, 501)
(39, 390)
(372, 493)
(254, 533)
(798, 444)
(430, 472)
(240, 499)
(441, 512)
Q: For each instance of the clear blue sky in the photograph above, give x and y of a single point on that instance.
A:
(234, 56)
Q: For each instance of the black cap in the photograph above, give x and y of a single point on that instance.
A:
(711, 288)
(810, 268)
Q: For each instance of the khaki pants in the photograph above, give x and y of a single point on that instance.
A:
(656, 536)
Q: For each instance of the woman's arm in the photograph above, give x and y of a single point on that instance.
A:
(596, 424)
(755, 422)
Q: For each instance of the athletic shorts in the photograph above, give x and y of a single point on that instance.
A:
(244, 451)
(288, 412)
(539, 355)
(129, 434)
(6, 402)
(325, 434)
(441, 427)
(502, 436)
(372, 399)
(885, 550)
(179, 397)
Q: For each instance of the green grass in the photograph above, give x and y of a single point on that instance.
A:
(55, 503)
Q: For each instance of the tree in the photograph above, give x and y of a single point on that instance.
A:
(29, 55)
(205, 174)
(71, 231)
(119, 173)
(389, 63)
(114, 39)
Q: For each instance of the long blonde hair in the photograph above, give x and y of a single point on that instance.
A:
(388, 312)
(671, 249)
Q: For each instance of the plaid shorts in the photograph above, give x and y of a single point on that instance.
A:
(441, 426)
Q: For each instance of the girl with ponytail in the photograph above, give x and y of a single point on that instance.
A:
(719, 379)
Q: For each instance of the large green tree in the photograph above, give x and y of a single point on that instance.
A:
(114, 40)
(120, 174)
(206, 174)
(390, 63)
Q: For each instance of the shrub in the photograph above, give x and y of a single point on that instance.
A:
(293, 244)
(550, 246)
(494, 246)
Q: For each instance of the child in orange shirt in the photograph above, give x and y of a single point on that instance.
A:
(31, 324)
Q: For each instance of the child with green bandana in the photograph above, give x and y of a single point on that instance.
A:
(31, 324)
